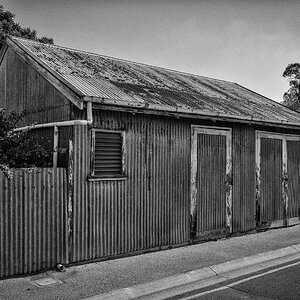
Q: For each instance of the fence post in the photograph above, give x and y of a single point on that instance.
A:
(55, 146)
(70, 200)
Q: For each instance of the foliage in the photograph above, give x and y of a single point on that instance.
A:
(9, 27)
(20, 149)
(292, 96)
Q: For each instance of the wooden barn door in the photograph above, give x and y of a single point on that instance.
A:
(293, 186)
(271, 204)
(211, 183)
(278, 179)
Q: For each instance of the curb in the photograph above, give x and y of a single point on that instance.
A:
(200, 278)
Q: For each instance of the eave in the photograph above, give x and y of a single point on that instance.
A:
(111, 104)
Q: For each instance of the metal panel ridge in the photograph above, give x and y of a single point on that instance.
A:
(32, 220)
(146, 210)
(106, 79)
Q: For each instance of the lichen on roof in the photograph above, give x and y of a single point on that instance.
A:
(104, 77)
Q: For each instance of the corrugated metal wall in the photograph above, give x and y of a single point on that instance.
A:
(271, 208)
(150, 208)
(33, 221)
(211, 176)
(243, 172)
(23, 88)
(293, 168)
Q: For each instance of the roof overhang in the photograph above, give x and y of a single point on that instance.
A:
(78, 98)
(106, 103)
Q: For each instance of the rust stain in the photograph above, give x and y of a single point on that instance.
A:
(257, 196)
(271, 191)
(194, 192)
(125, 216)
(139, 84)
(293, 169)
(285, 195)
(228, 191)
(70, 196)
(211, 182)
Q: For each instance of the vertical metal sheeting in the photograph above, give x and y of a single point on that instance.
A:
(293, 168)
(271, 180)
(33, 221)
(150, 208)
(243, 171)
(26, 89)
(211, 170)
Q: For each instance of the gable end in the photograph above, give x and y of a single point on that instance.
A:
(41, 69)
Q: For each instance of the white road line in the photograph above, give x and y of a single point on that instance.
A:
(239, 282)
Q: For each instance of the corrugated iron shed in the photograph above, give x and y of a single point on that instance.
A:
(99, 78)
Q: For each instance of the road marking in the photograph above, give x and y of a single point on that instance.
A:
(239, 282)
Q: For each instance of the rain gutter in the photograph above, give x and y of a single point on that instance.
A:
(197, 112)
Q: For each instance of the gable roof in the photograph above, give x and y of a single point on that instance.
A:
(113, 81)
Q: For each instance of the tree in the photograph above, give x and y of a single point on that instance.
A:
(9, 27)
(20, 149)
(291, 98)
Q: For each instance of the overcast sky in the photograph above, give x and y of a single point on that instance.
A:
(248, 42)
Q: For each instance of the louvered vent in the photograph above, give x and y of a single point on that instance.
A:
(108, 154)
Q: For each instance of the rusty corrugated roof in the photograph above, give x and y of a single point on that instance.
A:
(99, 77)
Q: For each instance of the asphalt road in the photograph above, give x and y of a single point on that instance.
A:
(102, 277)
(282, 283)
